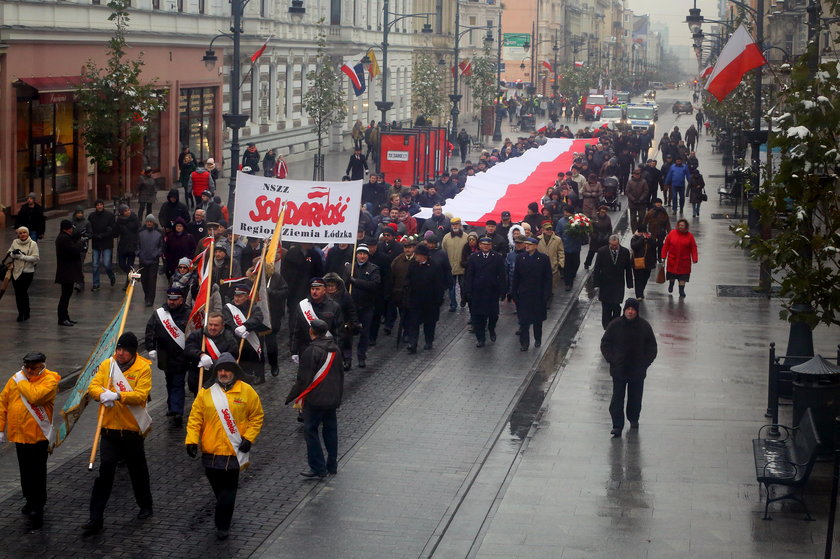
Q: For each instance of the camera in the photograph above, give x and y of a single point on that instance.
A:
(17, 251)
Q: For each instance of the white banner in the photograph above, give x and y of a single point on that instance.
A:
(316, 212)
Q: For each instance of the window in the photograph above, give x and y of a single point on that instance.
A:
(255, 93)
(272, 93)
(196, 120)
(335, 12)
(201, 6)
(155, 4)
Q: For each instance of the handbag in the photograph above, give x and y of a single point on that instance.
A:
(660, 275)
(703, 196)
(639, 261)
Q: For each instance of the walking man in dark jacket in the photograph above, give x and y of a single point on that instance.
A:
(611, 263)
(629, 346)
(128, 228)
(484, 285)
(102, 231)
(166, 341)
(364, 287)
(318, 388)
(149, 251)
(425, 295)
(68, 269)
(31, 216)
(357, 166)
(531, 290)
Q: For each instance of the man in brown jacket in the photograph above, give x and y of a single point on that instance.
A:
(453, 245)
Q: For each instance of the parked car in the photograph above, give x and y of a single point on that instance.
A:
(683, 107)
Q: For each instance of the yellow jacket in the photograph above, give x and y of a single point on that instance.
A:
(204, 427)
(139, 376)
(18, 423)
(554, 250)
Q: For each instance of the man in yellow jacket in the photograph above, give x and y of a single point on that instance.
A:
(26, 412)
(122, 385)
(225, 419)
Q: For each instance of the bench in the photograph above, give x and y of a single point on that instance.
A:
(731, 189)
(787, 461)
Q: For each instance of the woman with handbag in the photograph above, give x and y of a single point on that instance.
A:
(24, 257)
(696, 192)
(643, 249)
(679, 251)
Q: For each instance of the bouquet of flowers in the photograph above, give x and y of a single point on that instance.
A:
(580, 227)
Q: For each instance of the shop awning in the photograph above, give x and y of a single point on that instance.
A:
(53, 89)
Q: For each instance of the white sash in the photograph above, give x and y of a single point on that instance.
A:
(210, 348)
(38, 413)
(309, 313)
(171, 328)
(239, 318)
(220, 401)
(141, 416)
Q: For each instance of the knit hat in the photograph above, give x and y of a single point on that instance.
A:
(534, 207)
(363, 248)
(429, 235)
(422, 249)
(631, 303)
(227, 362)
(128, 342)
(151, 218)
(65, 224)
(184, 262)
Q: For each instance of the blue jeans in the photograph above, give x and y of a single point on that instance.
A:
(695, 209)
(312, 419)
(103, 256)
(456, 283)
(677, 191)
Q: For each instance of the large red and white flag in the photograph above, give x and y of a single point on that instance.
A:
(512, 185)
(740, 55)
(706, 71)
(258, 53)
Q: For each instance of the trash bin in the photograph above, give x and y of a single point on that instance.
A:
(816, 385)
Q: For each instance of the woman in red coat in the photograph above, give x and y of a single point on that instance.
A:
(680, 250)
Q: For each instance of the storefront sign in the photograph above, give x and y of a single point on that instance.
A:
(316, 212)
(392, 155)
(51, 98)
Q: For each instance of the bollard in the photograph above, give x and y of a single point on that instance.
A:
(772, 398)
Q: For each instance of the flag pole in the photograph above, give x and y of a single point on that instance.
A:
(133, 276)
(207, 306)
(352, 266)
(254, 293)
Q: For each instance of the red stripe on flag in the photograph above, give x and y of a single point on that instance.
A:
(519, 195)
(351, 73)
(729, 78)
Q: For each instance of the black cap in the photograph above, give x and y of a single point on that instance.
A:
(422, 249)
(631, 303)
(319, 327)
(128, 342)
(34, 357)
(505, 214)
(65, 224)
(174, 293)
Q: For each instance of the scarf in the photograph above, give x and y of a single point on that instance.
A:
(27, 247)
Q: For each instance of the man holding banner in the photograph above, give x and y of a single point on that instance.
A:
(217, 340)
(125, 423)
(166, 340)
(26, 412)
(247, 321)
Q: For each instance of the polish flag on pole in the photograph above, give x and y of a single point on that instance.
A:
(706, 72)
(548, 65)
(740, 55)
(260, 50)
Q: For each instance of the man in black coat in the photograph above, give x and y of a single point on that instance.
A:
(166, 340)
(31, 216)
(251, 159)
(484, 285)
(171, 210)
(613, 267)
(102, 231)
(629, 346)
(219, 340)
(248, 323)
(128, 231)
(320, 398)
(364, 287)
(357, 166)
(300, 264)
(325, 309)
(531, 290)
(68, 269)
(425, 295)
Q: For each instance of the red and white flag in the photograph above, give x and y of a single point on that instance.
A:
(548, 65)
(513, 184)
(740, 55)
(706, 71)
(578, 63)
(260, 50)
(465, 66)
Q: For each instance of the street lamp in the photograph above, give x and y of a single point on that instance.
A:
(456, 97)
(497, 128)
(384, 105)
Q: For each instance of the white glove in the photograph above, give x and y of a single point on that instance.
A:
(205, 361)
(153, 354)
(108, 396)
(3, 438)
(241, 331)
(296, 359)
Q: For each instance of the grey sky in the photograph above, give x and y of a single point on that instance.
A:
(672, 13)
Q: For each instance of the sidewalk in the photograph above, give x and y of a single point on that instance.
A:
(683, 485)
